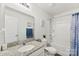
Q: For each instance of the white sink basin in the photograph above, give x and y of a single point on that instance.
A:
(26, 48)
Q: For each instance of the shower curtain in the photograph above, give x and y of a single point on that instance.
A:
(74, 51)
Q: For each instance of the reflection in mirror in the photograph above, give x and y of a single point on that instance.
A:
(15, 26)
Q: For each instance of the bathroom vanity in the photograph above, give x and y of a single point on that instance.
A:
(32, 48)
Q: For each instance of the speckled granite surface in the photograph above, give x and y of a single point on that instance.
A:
(13, 51)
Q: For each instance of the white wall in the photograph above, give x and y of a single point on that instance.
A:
(40, 16)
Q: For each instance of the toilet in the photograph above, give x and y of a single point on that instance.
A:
(51, 51)
(48, 50)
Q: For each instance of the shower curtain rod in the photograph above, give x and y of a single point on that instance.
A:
(67, 13)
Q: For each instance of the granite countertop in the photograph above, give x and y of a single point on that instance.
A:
(13, 51)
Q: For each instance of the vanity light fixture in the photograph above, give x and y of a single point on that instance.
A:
(25, 5)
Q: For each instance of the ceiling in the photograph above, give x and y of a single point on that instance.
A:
(56, 8)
